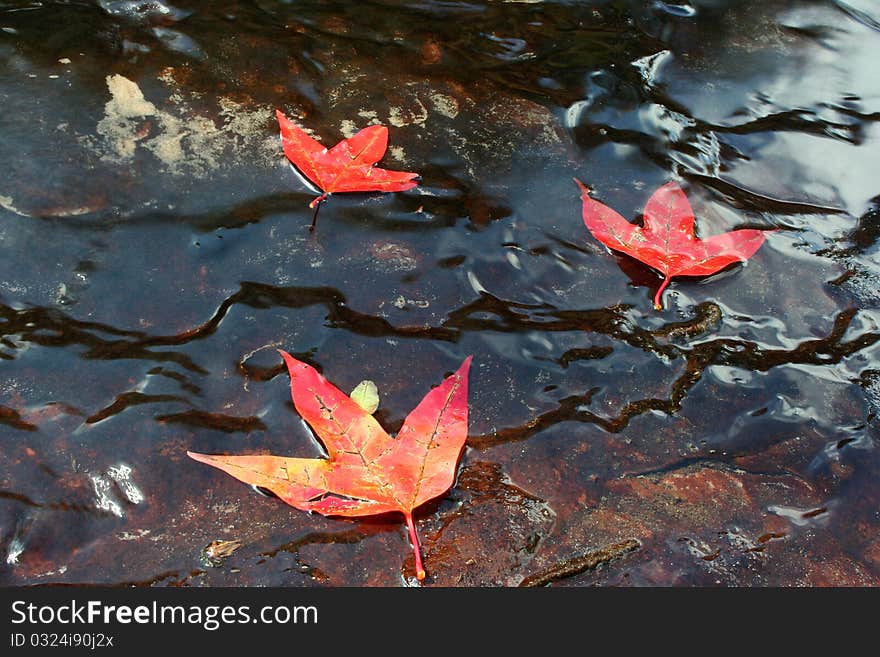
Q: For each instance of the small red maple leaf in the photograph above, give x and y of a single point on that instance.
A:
(347, 167)
(667, 241)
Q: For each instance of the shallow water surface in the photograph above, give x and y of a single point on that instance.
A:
(156, 253)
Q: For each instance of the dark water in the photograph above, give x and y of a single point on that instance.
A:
(155, 252)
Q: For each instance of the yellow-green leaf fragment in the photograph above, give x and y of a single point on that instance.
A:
(366, 395)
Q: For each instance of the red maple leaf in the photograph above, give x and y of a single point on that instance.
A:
(367, 471)
(667, 241)
(347, 167)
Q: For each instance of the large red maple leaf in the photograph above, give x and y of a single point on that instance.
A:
(666, 242)
(348, 166)
(367, 471)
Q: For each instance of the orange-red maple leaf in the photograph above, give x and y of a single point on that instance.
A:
(667, 241)
(367, 471)
(348, 166)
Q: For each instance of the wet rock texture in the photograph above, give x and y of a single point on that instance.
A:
(156, 253)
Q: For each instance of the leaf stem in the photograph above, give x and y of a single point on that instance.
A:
(658, 298)
(414, 539)
(316, 203)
